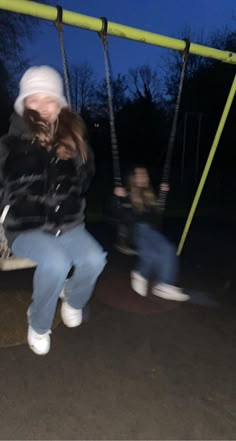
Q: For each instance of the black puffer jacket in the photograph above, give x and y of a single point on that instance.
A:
(42, 190)
(123, 212)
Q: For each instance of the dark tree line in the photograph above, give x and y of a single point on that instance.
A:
(143, 101)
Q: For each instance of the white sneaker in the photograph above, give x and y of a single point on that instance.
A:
(139, 284)
(170, 292)
(71, 317)
(39, 343)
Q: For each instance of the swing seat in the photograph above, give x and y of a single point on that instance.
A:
(125, 249)
(124, 242)
(8, 261)
(15, 263)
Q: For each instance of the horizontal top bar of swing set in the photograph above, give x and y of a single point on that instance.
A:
(95, 24)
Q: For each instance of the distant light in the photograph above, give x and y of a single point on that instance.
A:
(97, 125)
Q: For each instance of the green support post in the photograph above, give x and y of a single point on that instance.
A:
(208, 165)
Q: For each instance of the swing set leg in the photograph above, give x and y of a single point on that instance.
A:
(209, 161)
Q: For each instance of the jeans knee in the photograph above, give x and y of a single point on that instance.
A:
(95, 262)
(57, 265)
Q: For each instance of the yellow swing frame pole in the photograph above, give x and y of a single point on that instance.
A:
(95, 24)
(208, 164)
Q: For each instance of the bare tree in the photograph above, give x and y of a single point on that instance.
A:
(15, 29)
(224, 39)
(143, 83)
(119, 98)
(172, 65)
(82, 87)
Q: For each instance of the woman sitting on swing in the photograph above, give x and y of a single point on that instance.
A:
(46, 167)
(156, 256)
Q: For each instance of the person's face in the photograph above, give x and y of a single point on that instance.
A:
(47, 106)
(141, 178)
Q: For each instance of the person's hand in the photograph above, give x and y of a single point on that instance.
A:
(66, 149)
(164, 187)
(120, 192)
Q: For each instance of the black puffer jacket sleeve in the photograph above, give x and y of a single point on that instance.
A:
(122, 210)
(16, 129)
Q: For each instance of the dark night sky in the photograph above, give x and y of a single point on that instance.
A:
(167, 17)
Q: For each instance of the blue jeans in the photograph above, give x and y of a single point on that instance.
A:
(55, 257)
(156, 255)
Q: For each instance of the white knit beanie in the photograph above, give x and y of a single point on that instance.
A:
(40, 79)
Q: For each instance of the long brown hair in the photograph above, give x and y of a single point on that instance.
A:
(141, 197)
(69, 131)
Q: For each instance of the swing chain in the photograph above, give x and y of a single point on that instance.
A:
(59, 27)
(185, 52)
(167, 165)
(114, 142)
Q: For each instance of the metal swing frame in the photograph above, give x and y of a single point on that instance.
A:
(123, 244)
(50, 13)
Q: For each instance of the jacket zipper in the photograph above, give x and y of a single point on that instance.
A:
(4, 213)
